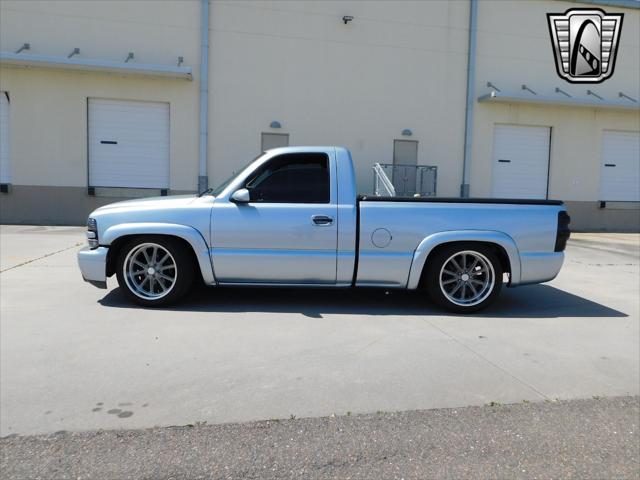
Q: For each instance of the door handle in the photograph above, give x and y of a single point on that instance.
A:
(322, 220)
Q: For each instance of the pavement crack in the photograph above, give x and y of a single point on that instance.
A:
(40, 258)
(495, 365)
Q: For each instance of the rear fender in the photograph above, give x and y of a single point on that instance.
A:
(188, 234)
(427, 245)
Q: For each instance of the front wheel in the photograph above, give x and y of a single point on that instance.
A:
(464, 278)
(154, 271)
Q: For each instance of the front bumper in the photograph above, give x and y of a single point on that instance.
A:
(93, 265)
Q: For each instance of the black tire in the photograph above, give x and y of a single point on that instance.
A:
(151, 293)
(437, 280)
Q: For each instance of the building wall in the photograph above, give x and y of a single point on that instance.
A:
(512, 53)
(397, 65)
(49, 123)
(514, 48)
(156, 32)
(49, 107)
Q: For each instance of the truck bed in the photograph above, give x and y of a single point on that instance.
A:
(391, 229)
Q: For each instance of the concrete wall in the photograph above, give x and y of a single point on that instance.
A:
(157, 32)
(397, 65)
(575, 157)
(49, 123)
(49, 107)
(46, 205)
(514, 49)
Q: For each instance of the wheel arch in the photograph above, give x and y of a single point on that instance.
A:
(117, 236)
(502, 243)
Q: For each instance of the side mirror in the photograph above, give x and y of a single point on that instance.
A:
(241, 196)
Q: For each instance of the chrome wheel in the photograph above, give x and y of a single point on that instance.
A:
(467, 278)
(150, 271)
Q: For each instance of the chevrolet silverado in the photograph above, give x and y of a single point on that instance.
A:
(293, 218)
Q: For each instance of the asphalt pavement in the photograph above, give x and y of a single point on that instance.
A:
(581, 439)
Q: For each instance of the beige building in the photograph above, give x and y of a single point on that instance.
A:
(120, 117)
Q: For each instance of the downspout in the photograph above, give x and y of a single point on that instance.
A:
(203, 179)
(471, 80)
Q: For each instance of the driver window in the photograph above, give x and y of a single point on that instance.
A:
(292, 178)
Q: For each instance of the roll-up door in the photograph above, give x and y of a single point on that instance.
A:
(620, 168)
(520, 161)
(128, 144)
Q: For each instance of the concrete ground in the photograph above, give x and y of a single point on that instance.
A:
(75, 358)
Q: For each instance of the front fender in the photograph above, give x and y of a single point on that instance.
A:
(189, 234)
(489, 236)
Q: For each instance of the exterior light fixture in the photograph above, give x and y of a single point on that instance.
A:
(180, 60)
(524, 87)
(589, 92)
(275, 124)
(75, 51)
(129, 57)
(491, 85)
(407, 132)
(347, 18)
(558, 90)
(624, 95)
(25, 46)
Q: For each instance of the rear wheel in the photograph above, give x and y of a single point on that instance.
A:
(464, 278)
(154, 271)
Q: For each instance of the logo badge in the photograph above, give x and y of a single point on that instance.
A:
(585, 43)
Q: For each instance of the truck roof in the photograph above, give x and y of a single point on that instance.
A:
(303, 149)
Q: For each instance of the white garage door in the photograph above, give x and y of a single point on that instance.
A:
(520, 161)
(5, 162)
(620, 169)
(128, 144)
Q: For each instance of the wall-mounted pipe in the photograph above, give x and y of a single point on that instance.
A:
(471, 80)
(203, 179)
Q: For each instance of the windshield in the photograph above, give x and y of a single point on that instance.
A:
(216, 191)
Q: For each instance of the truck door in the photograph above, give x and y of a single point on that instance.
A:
(287, 232)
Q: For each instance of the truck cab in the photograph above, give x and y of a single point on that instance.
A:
(288, 219)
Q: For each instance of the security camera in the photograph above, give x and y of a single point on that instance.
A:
(347, 18)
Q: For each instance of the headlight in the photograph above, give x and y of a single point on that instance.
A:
(92, 233)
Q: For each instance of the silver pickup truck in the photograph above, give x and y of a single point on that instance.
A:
(293, 218)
